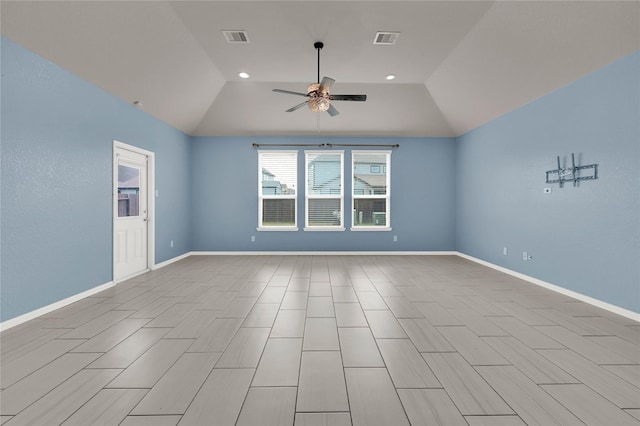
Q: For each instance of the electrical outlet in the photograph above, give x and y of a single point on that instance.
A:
(253, 238)
(525, 256)
(395, 238)
(171, 244)
(505, 251)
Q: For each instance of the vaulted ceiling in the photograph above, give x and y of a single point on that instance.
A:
(459, 64)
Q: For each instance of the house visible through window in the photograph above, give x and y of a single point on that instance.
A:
(371, 189)
(128, 191)
(278, 173)
(324, 196)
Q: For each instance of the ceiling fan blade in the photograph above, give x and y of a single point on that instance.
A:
(325, 84)
(296, 107)
(290, 92)
(332, 111)
(359, 98)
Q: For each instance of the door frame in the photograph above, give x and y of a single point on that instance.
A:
(151, 206)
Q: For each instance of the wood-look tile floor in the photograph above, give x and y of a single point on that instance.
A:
(323, 340)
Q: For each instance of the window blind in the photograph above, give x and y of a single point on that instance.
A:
(277, 187)
(324, 196)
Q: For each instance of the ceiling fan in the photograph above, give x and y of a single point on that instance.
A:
(319, 93)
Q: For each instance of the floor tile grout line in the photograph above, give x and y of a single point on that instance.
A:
(389, 374)
(356, 268)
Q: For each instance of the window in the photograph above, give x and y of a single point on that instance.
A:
(128, 191)
(371, 190)
(324, 196)
(277, 182)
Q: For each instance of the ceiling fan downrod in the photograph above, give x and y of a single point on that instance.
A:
(318, 45)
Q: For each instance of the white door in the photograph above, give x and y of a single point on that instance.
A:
(130, 214)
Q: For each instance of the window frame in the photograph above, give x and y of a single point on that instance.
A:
(262, 197)
(387, 196)
(308, 196)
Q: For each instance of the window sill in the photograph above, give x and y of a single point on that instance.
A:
(370, 228)
(324, 228)
(277, 228)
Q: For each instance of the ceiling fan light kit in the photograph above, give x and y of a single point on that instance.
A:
(319, 93)
(318, 104)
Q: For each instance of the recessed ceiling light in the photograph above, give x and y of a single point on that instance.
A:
(390, 77)
(243, 75)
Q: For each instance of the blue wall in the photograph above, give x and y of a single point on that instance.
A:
(475, 194)
(56, 212)
(586, 239)
(225, 202)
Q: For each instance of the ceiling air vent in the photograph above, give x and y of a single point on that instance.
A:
(386, 37)
(236, 36)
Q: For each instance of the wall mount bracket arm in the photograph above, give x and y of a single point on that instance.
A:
(571, 174)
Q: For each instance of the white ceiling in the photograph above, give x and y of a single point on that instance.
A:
(459, 64)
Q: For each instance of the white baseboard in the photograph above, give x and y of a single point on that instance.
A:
(69, 300)
(52, 307)
(573, 294)
(170, 261)
(324, 253)
(128, 277)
